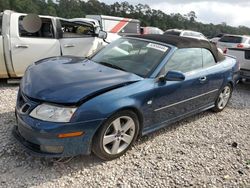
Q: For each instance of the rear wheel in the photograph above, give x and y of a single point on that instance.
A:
(223, 98)
(116, 135)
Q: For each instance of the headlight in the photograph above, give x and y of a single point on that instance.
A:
(52, 113)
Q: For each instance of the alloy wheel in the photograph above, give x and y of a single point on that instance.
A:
(224, 97)
(119, 135)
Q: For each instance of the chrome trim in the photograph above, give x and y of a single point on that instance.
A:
(186, 100)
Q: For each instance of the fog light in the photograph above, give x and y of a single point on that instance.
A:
(51, 149)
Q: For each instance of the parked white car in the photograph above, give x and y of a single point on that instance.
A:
(233, 41)
(243, 56)
(55, 37)
(185, 33)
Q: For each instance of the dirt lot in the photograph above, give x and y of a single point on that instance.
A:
(206, 150)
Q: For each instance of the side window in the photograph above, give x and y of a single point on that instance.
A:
(184, 60)
(76, 30)
(208, 58)
(46, 30)
(194, 34)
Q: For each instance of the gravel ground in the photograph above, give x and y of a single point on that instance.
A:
(206, 150)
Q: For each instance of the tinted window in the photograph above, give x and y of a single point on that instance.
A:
(232, 39)
(76, 30)
(208, 58)
(46, 30)
(184, 60)
(220, 35)
(177, 33)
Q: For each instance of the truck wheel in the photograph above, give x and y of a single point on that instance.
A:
(116, 135)
(223, 98)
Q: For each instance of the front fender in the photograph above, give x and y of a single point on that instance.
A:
(134, 96)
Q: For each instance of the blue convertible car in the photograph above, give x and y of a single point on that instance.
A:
(68, 105)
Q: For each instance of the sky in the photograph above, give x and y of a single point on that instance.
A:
(233, 12)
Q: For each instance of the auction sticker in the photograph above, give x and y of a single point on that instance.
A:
(157, 47)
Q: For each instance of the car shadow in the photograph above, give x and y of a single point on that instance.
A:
(12, 156)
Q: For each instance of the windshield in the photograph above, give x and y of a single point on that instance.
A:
(132, 55)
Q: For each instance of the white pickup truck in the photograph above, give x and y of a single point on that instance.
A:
(243, 56)
(56, 37)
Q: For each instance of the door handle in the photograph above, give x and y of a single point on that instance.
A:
(69, 45)
(203, 79)
(22, 46)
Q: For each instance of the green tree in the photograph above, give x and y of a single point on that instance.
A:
(4, 4)
(192, 16)
(27, 6)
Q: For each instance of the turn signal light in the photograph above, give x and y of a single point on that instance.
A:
(68, 135)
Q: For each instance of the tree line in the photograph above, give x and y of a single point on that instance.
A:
(147, 16)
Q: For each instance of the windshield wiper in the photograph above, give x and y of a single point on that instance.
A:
(112, 66)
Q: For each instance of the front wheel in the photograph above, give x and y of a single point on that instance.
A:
(116, 135)
(223, 98)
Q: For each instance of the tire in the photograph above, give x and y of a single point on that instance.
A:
(223, 98)
(116, 135)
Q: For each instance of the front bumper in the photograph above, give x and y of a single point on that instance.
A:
(35, 134)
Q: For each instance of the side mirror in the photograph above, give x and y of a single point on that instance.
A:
(173, 76)
(102, 34)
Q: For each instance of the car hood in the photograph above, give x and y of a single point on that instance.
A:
(70, 80)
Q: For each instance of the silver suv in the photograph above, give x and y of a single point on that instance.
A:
(233, 41)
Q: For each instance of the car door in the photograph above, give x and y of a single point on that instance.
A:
(214, 74)
(27, 48)
(174, 99)
(78, 39)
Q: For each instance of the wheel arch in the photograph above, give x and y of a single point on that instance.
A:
(129, 108)
(139, 115)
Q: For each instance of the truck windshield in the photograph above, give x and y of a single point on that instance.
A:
(132, 55)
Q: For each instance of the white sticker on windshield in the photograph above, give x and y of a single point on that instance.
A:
(157, 47)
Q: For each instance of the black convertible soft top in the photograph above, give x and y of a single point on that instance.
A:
(184, 42)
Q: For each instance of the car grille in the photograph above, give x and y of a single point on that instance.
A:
(24, 104)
